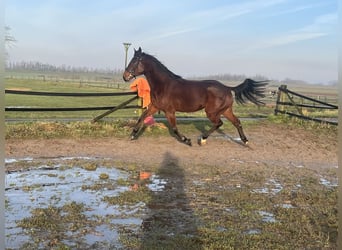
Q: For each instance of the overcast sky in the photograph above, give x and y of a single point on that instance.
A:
(275, 38)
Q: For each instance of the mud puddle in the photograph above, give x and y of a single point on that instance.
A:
(31, 193)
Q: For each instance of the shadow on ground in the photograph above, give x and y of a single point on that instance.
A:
(171, 223)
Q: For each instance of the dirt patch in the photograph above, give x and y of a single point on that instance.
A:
(276, 144)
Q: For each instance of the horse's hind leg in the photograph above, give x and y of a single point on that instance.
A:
(236, 122)
(149, 111)
(217, 122)
(171, 118)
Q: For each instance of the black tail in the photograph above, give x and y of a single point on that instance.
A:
(250, 90)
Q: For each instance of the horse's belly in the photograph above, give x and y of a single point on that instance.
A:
(182, 102)
(189, 107)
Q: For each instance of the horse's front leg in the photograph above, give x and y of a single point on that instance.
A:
(149, 111)
(171, 118)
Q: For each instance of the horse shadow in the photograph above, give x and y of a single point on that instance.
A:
(170, 222)
(202, 127)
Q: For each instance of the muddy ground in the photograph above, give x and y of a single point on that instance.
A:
(277, 144)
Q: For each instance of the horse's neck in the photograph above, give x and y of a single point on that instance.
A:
(158, 81)
(153, 82)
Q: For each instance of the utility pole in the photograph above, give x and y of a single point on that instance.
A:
(126, 45)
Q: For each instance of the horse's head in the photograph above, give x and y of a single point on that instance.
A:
(135, 66)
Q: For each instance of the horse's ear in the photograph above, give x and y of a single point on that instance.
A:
(137, 51)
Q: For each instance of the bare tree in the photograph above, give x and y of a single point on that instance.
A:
(9, 39)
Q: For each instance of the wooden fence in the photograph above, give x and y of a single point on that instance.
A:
(300, 106)
(110, 109)
(288, 102)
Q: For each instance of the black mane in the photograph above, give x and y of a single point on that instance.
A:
(162, 67)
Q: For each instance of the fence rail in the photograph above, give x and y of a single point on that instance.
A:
(24, 109)
(110, 109)
(331, 106)
(286, 98)
(23, 92)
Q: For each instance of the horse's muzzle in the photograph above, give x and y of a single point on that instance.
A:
(127, 76)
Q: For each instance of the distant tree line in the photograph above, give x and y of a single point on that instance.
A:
(46, 68)
(232, 77)
(49, 68)
(32, 66)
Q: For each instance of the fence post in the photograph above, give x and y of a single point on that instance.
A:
(299, 109)
(280, 98)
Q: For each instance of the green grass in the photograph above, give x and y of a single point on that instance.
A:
(46, 130)
(123, 127)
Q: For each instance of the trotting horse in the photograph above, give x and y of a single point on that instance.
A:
(171, 93)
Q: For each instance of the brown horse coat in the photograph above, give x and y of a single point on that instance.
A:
(171, 93)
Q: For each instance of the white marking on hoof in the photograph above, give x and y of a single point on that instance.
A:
(202, 141)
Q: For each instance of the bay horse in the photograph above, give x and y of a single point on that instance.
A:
(171, 93)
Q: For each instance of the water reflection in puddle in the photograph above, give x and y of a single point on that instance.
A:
(285, 205)
(157, 184)
(272, 186)
(252, 231)
(267, 217)
(55, 186)
(327, 183)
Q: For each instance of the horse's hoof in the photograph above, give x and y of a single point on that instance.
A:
(188, 142)
(133, 137)
(202, 141)
(245, 142)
